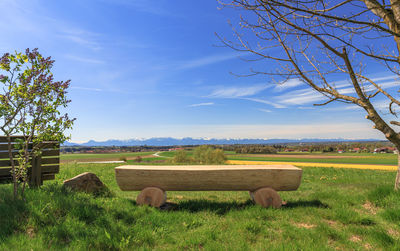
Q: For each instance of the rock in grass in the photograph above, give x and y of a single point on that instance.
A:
(86, 182)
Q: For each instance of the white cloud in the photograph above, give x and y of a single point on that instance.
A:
(86, 88)
(297, 98)
(82, 40)
(201, 104)
(300, 97)
(207, 60)
(237, 92)
(291, 83)
(274, 104)
(347, 82)
(29, 18)
(264, 110)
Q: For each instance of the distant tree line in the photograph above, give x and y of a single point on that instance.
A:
(244, 148)
(308, 147)
(256, 149)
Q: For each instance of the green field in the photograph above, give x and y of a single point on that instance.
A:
(99, 156)
(333, 209)
(345, 158)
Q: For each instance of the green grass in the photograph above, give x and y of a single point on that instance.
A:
(363, 158)
(333, 209)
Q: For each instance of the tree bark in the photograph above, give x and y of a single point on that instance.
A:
(14, 176)
(397, 182)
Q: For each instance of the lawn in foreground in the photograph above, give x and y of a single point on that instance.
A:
(334, 208)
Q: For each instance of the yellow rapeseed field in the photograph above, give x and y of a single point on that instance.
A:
(356, 166)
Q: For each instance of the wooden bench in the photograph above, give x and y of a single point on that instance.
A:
(262, 181)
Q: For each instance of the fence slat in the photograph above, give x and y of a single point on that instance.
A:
(50, 152)
(50, 145)
(13, 138)
(4, 147)
(51, 169)
(45, 153)
(50, 161)
(44, 167)
(7, 163)
(5, 172)
(46, 145)
(4, 155)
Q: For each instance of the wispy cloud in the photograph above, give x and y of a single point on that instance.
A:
(264, 110)
(207, 60)
(291, 83)
(300, 97)
(201, 104)
(308, 95)
(86, 88)
(347, 82)
(28, 18)
(237, 92)
(85, 60)
(81, 37)
(274, 104)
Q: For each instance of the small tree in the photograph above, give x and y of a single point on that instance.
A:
(207, 155)
(322, 41)
(218, 157)
(181, 157)
(30, 103)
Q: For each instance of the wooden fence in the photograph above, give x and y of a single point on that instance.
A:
(43, 167)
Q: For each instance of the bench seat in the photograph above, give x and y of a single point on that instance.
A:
(209, 178)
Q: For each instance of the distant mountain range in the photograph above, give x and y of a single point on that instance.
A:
(201, 141)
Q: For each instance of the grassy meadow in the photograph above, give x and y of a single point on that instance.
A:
(101, 156)
(345, 209)
(343, 158)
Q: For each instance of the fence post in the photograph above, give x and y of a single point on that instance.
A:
(36, 172)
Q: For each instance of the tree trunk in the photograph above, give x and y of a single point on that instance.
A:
(397, 182)
(14, 175)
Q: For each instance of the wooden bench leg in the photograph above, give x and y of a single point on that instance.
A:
(152, 196)
(266, 197)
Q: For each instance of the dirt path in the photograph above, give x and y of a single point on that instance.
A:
(157, 154)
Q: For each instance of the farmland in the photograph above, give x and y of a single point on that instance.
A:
(333, 209)
(346, 158)
(101, 156)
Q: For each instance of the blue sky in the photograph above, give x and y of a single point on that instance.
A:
(143, 69)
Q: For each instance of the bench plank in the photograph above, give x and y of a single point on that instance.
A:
(209, 178)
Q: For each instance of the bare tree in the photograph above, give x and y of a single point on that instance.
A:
(321, 41)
